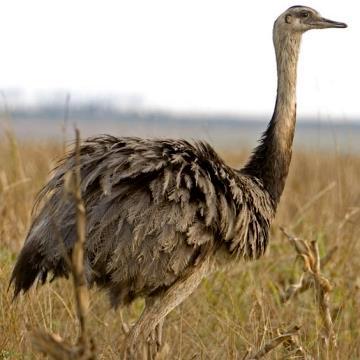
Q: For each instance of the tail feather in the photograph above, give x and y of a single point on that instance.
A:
(42, 253)
(32, 264)
(51, 235)
(27, 269)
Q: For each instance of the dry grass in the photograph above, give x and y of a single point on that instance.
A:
(51, 344)
(231, 314)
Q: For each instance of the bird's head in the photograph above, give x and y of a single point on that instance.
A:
(298, 19)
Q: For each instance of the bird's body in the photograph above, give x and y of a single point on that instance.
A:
(154, 207)
(161, 214)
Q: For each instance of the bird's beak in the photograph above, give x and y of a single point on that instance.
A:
(322, 23)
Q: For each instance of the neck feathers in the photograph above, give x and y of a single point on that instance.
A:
(270, 160)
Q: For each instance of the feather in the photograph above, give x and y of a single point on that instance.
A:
(151, 205)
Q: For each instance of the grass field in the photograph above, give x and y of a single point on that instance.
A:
(230, 312)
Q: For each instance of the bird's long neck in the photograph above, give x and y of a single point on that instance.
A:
(270, 160)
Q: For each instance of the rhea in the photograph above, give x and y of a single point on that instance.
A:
(163, 214)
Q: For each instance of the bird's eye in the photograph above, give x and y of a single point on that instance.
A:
(304, 14)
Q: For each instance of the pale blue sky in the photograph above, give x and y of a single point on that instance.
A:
(185, 55)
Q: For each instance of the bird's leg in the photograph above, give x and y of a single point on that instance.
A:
(155, 338)
(161, 304)
(158, 334)
(151, 342)
(124, 325)
(154, 342)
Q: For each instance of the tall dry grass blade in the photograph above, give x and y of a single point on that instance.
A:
(65, 122)
(11, 138)
(51, 344)
(310, 203)
(81, 290)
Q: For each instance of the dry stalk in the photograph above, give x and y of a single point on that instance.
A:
(54, 346)
(306, 279)
(51, 344)
(81, 291)
(294, 349)
(312, 277)
(11, 138)
(272, 344)
(349, 214)
(65, 122)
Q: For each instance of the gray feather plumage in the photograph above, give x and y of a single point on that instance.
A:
(151, 206)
